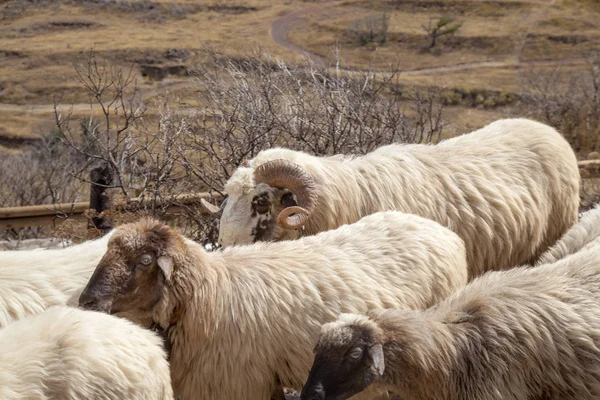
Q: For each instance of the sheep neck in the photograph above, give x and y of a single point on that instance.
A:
(419, 354)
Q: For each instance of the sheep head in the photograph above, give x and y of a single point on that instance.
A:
(267, 203)
(348, 358)
(135, 270)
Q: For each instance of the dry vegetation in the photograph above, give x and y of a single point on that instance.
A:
(249, 105)
(168, 114)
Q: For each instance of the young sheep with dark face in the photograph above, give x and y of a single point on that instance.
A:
(527, 333)
(242, 319)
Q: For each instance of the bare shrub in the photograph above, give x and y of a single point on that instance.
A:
(247, 105)
(372, 29)
(254, 104)
(569, 102)
(140, 152)
(39, 175)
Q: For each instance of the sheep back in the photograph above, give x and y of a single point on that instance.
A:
(258, 309)
(585, 233)
(33, 280)
(67, 353)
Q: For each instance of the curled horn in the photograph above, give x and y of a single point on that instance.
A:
(291, 176)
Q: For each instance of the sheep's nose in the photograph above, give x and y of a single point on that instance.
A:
(87, 300)
(313, 392)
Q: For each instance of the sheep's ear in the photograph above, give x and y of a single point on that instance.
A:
(165, 263)
(376, 353)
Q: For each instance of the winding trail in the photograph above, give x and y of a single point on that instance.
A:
(280, 29)
(144, 94)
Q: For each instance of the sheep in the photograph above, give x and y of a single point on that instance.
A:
(513, 179)
(585, 233)
(525, 333)
(240, 318)
(33, 280)
(70, 354)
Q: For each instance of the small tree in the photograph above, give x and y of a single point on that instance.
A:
(372, 29)
(443, 27)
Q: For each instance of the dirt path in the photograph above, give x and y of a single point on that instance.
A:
(282, 25)
(144, 94)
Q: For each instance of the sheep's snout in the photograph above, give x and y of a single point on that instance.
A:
(97, 294)
(313, 392)
(89, 300)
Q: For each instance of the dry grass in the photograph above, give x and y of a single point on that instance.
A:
(490, 31)
(40, 43)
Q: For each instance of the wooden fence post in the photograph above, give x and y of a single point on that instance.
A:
(101, 177)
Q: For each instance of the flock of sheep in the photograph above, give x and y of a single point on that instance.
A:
(449, 271)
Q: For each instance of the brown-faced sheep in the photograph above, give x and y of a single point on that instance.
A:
(526, 333)
(238, 319)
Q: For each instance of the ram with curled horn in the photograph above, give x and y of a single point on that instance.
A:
(510, 180)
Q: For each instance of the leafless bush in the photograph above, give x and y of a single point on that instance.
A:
(571, 105)
(140, 153)
(247, 105)
(254, 104)
(38, 175)
(372, 29)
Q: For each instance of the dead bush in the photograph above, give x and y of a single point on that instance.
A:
(568, 102)
(254, 104)
(247, 105)
(39, 175)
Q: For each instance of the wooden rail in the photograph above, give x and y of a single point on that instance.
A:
(52, 214)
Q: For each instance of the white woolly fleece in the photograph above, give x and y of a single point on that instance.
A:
(33, 280)
(70, 354)
(509, 190)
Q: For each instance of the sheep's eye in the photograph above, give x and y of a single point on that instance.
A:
(355, 353)
(146, 259)
(262, 202)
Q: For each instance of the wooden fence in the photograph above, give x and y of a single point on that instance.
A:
(50, 214)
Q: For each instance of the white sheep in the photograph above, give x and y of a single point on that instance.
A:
(509, 190)
(70, 354)
(33, 280)
(585, 233)
(525, 333)
(237, 319)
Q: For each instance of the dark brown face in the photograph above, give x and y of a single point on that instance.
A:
(127, 278)
(343, 369)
